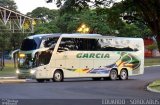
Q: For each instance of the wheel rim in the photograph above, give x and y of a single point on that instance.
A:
(57, 76)
(123, 75)
(113, 75)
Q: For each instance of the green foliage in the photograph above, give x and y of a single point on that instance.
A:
(145, 12)
(101, 20)
(8, 39)
(44, 14)
(45, 28)
(152, 47)
(10, 4)
(16, 40)
(4, 37)
(69, 23)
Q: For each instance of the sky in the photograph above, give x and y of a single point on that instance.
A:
(25, 6)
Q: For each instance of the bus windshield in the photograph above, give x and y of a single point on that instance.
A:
(30, 44)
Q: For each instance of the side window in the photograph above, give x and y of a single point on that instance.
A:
(79, 44)
(93, 45)
(49, 42)
(88, 45)
(115, 45)
(67, 44)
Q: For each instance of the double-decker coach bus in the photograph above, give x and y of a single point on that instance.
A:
(59, 56)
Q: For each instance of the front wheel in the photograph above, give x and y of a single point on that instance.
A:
(113, 74)
(123, 74)
(58, 76)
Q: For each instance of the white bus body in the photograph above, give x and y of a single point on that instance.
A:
(88, 55)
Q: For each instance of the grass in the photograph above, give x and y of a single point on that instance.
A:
(8, 70)
(151, 61)
(155, 85)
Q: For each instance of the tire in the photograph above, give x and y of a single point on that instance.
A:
(40, 80)
(123, 74)
(96, 79)
(58, 76)
(113, 74)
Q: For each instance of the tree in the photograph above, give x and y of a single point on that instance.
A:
(45, 14)
(149, 10)
(46, 20)
(70, 22)
(6, 36)
(46, 28)
(16, 40)
(10, 4)
(145, 11)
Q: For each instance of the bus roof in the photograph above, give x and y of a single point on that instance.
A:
(95, 36)
(80, 35)
(45, 35)
(63, 35)
(77, 35)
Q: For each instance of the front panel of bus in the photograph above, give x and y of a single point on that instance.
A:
(34, 52)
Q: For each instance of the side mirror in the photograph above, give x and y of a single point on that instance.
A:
(14, 52)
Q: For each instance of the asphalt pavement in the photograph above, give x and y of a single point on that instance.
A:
(82, 90)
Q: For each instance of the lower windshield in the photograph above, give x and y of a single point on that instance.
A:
(30, 44)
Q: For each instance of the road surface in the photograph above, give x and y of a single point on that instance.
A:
(134, 88)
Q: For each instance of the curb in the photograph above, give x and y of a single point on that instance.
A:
(12, 81)
(8, 77)
(152, 90)
(151, 66)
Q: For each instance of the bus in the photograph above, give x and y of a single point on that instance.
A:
(60, 56)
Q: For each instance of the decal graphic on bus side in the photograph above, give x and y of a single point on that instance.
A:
(125, 61)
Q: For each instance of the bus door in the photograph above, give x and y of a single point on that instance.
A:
(66, 57)
(72, 63)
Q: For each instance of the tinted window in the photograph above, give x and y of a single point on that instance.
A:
(83, 44)
(30, 44)
(67, 44)
(50, 42)
(115, 45)
(78, 44)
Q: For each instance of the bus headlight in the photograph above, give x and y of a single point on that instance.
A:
(32, 71)
(17, 71)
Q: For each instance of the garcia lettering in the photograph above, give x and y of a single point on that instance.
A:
(93, 55)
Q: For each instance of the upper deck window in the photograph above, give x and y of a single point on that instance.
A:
(30, 44)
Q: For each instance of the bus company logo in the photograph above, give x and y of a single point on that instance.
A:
(93, 55)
